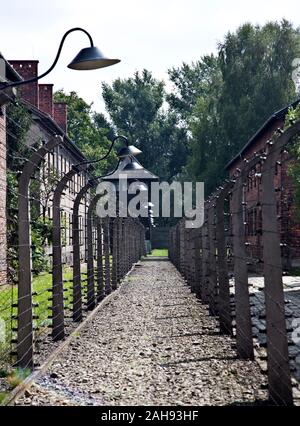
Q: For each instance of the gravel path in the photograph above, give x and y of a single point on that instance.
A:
(152, 343)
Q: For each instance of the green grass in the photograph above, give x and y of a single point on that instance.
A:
(159, 252)
(41, 287)
(3, 396)
(41, 294)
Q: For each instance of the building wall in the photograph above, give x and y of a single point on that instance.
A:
(59, 162)
(289, 225)
(62, 160)
(41, 97)
(27, 70)
(60, 115)
(45, 94)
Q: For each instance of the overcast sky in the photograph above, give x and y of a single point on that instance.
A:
(152, 34)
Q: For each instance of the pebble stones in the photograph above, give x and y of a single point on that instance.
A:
(153, 344)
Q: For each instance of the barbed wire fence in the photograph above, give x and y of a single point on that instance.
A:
(235, 263)
(39, 308)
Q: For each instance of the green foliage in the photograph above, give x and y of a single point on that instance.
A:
(41, 233)
(256, 65)
(191, 82)
(225, 99)
(18, 124)
(17, 376)
(90, 131)
(3, 396)
(135, 106)
(40, 285)
(159, 253)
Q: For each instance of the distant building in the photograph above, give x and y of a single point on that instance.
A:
(289, 226)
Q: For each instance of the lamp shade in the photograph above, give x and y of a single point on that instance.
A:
(128, 150)
(133, 165)
(131, 172)
(91, 58)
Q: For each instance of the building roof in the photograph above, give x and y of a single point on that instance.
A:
(271, 120)
(11, 73)
(54, 128)
(46, 119)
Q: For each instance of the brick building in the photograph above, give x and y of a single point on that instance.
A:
(289, 225)
(49, 118)
(7, 73)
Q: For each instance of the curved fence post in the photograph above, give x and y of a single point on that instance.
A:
(279, 377)
(106, 244)
(212, 267)
(77, 293)
(90, 255)
(58, 327)
(119, 248)
(223, 278)
(205, 258)
(25, 326)
(198, 262)
(115, 257)
(100, 272)
(244, 338)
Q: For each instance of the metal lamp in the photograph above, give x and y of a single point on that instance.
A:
(89, 58)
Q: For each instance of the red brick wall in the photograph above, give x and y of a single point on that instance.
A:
(61, 115)
(46, 98)
(40, 95)
(3, 270)
(28, 69)
(289, 224)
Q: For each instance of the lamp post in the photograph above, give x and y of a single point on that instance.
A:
(89, 58)
(130, 171)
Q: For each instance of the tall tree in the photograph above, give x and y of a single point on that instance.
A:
(90, 131)
(136, 107)
(190, 83)
(250, 80)
(256, 64)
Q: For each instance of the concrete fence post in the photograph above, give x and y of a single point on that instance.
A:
(205, 258)
(279, 377)
(115, 258)
(58, 327)
(212, 267)
(244, 338)
(106, 243)
(25, 322)
(222, 270)
(77, 292)
(100, 271)
(91, 302)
